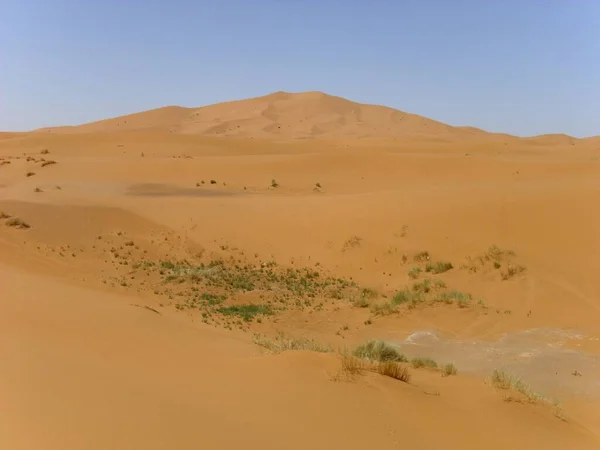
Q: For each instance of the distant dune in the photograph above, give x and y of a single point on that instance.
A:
(286, 115)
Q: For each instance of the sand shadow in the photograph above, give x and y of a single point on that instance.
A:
(165, 190)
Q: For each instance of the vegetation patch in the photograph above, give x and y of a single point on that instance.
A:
(418, 363)
(246, 312)
(378, 351)
(438, 267)
(282, 343)
(15, 222)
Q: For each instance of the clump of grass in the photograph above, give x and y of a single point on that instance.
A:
(352, 365)
(384, 309)
(4, 215)
(409, 298)
(274, 183)
(421, 257)
(502, 380)
(414, 273)
(418, 363)
(512, 271)
(460, 298)
(449, 369)
(37, 189)
(438, 267)
(318, 185)
(213, 181)
(428, 285)
(45, 151)
(378, 351)
(360, 302)
(282, 343)
(30, 174)
(352, 242)
(246, 312)
(15, 222)
(48, 163)
(366, 294)
(394, 370)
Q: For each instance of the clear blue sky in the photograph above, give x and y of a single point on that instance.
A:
(519, 66)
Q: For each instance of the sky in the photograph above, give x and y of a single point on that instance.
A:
(524, 67)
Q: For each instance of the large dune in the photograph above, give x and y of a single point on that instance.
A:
(286, 115)
(148, 266)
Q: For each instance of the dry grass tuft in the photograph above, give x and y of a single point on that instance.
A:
(449, 369)
(282, 343)
(378, 351)
(4, 215)
(394, 370)
(15, 222)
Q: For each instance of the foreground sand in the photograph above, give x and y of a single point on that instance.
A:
(85, 367)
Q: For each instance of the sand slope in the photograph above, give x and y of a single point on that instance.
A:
(89, 371)
(286, 115)
(119, 306)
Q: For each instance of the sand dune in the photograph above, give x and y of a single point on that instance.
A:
(141, 256)
(289, 116)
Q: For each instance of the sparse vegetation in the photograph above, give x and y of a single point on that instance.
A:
(438, 267)
(421, 257)
(393, 370)
(418, 363)
(246, 312)
(449, 369)
(274, 184)
(15, 222)
(4, 215)
(48, 163)
(45, 151)
(512, 271)
(213, 181)
(414, 273)
(282, 343)
(30, 174)
(502, 380)
(378, 351)
(318, 185)
(352, 242)
(37, 189)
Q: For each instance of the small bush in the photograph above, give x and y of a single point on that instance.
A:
(460, 298)
(274, 184)
(15, 222)
(354, 241)
(394, 370)
(37, 189)
(318, 185)
(418, 363)
(501, 380)
(246, 312)
(48, 163)
(512, 271)
(384, 309)
(4, 215)
(438, 267)
(421, 257)
(414, 273)
(213, 181)
(30, 174)
(427, 286)
(45, 151)
(449, 369)
(281, 343)
(378, 351)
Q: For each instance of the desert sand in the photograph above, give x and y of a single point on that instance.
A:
(150, 265)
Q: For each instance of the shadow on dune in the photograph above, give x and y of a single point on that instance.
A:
(165, 190)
